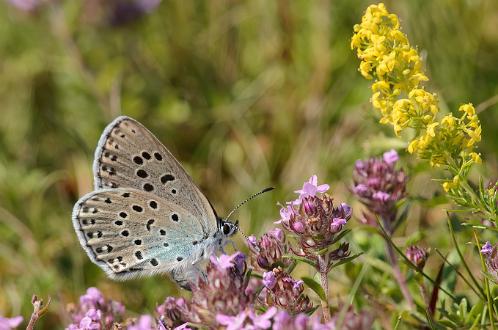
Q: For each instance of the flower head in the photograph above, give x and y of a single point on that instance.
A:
(222, 291)
(379, 185)
(95, 312)
(417, 256)
(282, 291)
(268, 252)
(315, 222)
(173, 312)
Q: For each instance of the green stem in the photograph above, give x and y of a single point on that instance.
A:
(414, 267)
(322, 265)
(467, 268)
(486, 284)
(396, 269)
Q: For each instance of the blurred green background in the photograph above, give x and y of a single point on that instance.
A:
(246, 94)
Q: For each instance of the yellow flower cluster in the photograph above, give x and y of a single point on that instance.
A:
(396, 68)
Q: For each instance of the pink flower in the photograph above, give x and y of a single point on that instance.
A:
(10, 323)
(390, 156)
(277, 233)
(286, 213)
(143, 323)
(337, 224)
(224, 261)
(232, 322)
(298, 227)
(251, 240)
(25, 5)
(263, 321)
(269, 280)
(93, 297)
(311, 188)
(381, 196)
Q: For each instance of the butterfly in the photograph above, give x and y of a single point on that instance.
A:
(146, 216)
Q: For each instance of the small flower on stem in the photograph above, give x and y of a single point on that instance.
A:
(317, 224)
(282, 291)
(173, 312)
(95, 312)
(268, 252)
(379, 185)
(417, 256)
(222, 291)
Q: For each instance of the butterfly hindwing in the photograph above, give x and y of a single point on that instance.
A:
(130, 233)
(129, 155)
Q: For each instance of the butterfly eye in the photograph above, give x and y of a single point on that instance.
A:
(226, 229)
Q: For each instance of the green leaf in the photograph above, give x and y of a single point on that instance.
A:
(341, 235)
(302, 259)
(315, 286)
(346, 260)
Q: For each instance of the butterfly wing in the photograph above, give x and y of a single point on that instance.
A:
(129, 155)
(130, 232)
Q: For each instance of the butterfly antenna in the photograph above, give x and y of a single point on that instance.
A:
(240, 231)
(247, 200)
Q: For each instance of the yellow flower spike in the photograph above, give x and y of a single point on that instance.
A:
(396, 69)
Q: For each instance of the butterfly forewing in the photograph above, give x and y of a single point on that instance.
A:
(129, 155)
(129, 232)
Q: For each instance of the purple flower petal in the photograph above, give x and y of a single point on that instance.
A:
(277, 233)
(145, 322)
(251, 240)
(263, 321)
(337, 224)
(298, 227)
(10, 323)
(269, 280)
(487, 249)
(310, 188)
(298, 285)
(381, 196)
(390, 156)
(232, 322)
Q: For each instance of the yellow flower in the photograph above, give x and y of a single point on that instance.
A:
(395, 66)
(476, 158)
(449, 185)
(468, 109)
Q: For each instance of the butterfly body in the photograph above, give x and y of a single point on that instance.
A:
(146, 216)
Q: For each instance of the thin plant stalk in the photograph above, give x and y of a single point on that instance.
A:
(480, 294)
(322, 265)
(397, 270)
(486, 284)
(467, 268)
(399, 276)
